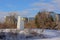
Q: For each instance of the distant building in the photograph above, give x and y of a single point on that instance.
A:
(31, 19)
(28, 19)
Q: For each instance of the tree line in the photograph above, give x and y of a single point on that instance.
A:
(43, 20)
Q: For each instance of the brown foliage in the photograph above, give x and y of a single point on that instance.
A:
(44, 20)
(10, 22)
(30, 24)
(5, 26)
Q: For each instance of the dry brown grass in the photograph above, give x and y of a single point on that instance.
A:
(5, 26)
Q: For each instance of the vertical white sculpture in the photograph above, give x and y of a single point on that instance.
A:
(20, 23)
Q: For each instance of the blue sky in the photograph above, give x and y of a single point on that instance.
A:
(28, 7)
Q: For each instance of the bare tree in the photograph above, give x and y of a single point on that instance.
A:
(44, 20)
(11, 20)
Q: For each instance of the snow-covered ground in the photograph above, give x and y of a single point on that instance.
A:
(47, 34)
(26, 34)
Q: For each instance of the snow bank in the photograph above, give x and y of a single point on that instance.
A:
(25, 34)
(50, 34)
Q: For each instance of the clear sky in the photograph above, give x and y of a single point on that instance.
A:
(28, 7)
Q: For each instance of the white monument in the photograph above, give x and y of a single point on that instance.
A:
(20, 23)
